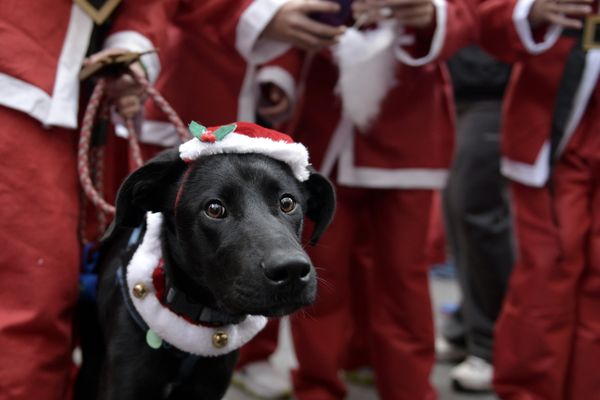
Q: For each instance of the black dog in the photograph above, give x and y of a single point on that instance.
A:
(230, 242)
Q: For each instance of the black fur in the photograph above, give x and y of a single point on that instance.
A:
(249, 262)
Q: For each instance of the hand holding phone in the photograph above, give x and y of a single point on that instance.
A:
(293, 24)
(411, 13)
(337, 18)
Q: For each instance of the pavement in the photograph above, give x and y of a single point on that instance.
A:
(445, 292)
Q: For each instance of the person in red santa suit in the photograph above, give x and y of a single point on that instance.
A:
(44, 46)
(212, 79)
(207, 53)
(386, 145)
(548, 335)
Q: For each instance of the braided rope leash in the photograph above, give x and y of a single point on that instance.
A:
(92, 188)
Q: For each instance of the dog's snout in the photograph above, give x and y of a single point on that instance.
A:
(287, 269)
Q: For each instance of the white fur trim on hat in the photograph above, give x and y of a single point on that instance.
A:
(172, 328)
(293, 154)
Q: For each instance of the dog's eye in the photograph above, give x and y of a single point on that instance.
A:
(215, 209)
(287, 204)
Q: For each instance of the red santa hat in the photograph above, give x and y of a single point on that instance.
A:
(244, 138)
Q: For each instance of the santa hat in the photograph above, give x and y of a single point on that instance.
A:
(244, 138)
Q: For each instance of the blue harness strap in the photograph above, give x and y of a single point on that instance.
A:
(134, 240)
(122, 283)
(88, 275)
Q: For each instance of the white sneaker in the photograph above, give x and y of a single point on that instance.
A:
(446, 351)
(263, 381)
(474, 374)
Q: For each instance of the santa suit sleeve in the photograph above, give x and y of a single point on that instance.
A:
(284, 71)
(253, 20)
(453, 28)
(142, 26)
(506, 33)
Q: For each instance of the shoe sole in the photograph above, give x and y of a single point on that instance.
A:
(239, 384)
(457, 386)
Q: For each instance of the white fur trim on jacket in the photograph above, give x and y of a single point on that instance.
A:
(172, 328)
(437, 42)
(535, 175)
(135, 41)
(283, 79)
(61, 108)
(293, 154)
(349, 174)
(251, 25)
(367, 68)
(521, 21)
(341, 149)
(587, 85)
(159, 133)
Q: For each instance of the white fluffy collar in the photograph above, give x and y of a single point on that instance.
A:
(170, 327)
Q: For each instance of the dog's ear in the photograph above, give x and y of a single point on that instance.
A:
(321, 203)
(147, 189)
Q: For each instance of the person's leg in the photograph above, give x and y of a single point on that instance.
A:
(534, 331)
(436, 237)
(262, 346)
(578, 201)
(39, 257)
(256, 371)
(361, 270)
(401, 325)
(321, 333)
(477, 204)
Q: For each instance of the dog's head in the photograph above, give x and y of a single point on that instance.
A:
(232, 227)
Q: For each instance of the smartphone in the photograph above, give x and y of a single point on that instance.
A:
(335, 19)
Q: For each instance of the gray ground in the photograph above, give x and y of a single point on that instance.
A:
(444, 291)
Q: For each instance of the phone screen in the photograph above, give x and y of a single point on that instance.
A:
(338, 18)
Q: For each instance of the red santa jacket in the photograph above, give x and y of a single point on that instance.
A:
(43, 45)
(409, 143)
(539, 57)
(208, 49)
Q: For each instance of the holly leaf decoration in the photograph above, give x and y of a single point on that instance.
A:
(196, 129)
(224, 131)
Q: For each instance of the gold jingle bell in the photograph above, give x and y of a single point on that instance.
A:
(220, 339)
(139, 290)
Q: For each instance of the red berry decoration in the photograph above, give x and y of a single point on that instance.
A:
(208, 137)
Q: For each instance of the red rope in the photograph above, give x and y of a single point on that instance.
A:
(93, 188)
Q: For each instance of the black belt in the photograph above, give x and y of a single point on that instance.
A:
(586, 39)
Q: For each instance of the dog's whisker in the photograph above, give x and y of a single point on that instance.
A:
(307, 315)
(325, 285)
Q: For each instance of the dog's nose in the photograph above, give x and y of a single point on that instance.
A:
(287, 269)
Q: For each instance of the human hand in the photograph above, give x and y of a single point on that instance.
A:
(293, 24)
(565, 13)
(123, 91)
(411, 13)
(274, 104)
